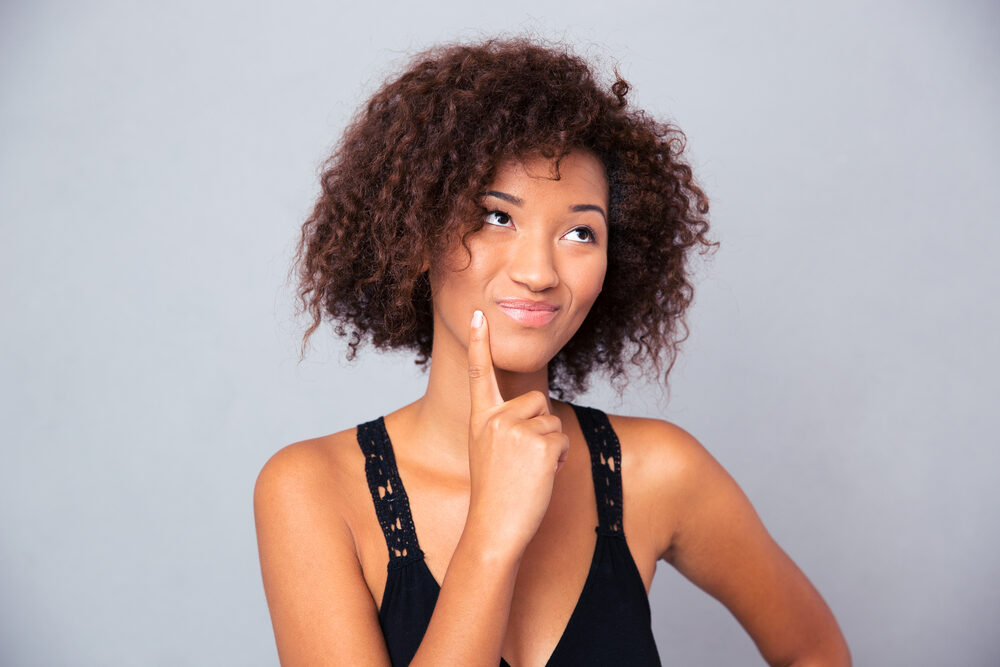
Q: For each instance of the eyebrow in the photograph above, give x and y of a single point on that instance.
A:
(517, 201)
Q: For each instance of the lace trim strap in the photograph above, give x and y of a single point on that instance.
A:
(605, 465)
(391, 504)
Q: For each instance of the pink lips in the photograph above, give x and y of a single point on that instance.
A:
(529, 313)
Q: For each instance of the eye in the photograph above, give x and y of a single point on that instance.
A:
(588, 232)
(500, 215)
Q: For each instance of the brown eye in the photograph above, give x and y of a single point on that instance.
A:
(500, 216)
(588, 232)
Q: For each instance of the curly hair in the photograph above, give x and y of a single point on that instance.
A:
(403, 180)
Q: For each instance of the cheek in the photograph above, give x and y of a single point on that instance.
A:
(589, 279)
(451, 287)
(464, 270)
(600, 275)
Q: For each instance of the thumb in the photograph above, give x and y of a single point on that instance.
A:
(484, 393)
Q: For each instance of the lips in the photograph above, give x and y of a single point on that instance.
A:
(527, 304)
(529, 313)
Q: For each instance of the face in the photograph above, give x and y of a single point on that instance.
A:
(537, 264)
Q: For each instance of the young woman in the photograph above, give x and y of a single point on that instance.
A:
(497, 211)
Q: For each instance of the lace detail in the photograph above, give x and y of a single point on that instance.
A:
(393, 507)
(605, 464)
(391, 503)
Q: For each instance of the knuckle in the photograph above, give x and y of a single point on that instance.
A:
(496, 424)
(536, 399)
(476, 371)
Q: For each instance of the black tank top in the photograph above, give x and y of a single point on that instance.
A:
(610, 624)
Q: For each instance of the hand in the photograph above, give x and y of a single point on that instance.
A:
(516, 447)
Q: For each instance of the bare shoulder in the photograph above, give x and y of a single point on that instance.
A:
(657, 441)
(299, 488)
(309, 466)
(319, 602)
(661, 452)
(318, 480)
(665, 467)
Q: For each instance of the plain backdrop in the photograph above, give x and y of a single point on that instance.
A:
(157, 160)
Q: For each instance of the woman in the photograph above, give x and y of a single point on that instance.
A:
(497, 211)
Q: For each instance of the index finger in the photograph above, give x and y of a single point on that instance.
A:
(484, 393)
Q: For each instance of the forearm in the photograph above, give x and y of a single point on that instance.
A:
(470, 616)
(835, 659)
(831, 656)
(829, 650)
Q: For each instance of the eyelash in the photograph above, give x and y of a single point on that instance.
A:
(593, 236)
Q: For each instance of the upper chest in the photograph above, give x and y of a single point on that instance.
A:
(556, 563)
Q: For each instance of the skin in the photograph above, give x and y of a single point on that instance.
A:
(323, 556)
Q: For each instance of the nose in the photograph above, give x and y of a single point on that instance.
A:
(533, 263)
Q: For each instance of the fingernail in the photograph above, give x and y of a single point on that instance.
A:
(477, 319)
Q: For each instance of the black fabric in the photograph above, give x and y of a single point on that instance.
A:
(610, 624)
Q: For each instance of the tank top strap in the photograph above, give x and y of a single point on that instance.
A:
(391, 504)
(605, 465)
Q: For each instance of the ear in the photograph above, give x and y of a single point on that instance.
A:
(426, 265)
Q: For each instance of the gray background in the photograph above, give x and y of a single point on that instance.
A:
(157, 162)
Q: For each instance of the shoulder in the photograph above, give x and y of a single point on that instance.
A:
(668, 471)
(660, 450)
(319, 600)
(308, 475)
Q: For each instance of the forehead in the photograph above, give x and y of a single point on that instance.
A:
(580, 173)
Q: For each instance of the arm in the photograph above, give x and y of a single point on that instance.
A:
(720, 544)
(470, 617)
(321, 609)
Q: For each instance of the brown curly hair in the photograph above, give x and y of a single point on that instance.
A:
(404, 179)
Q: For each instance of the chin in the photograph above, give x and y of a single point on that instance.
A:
(519, 362)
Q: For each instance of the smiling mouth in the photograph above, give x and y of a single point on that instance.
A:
(527, 317)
